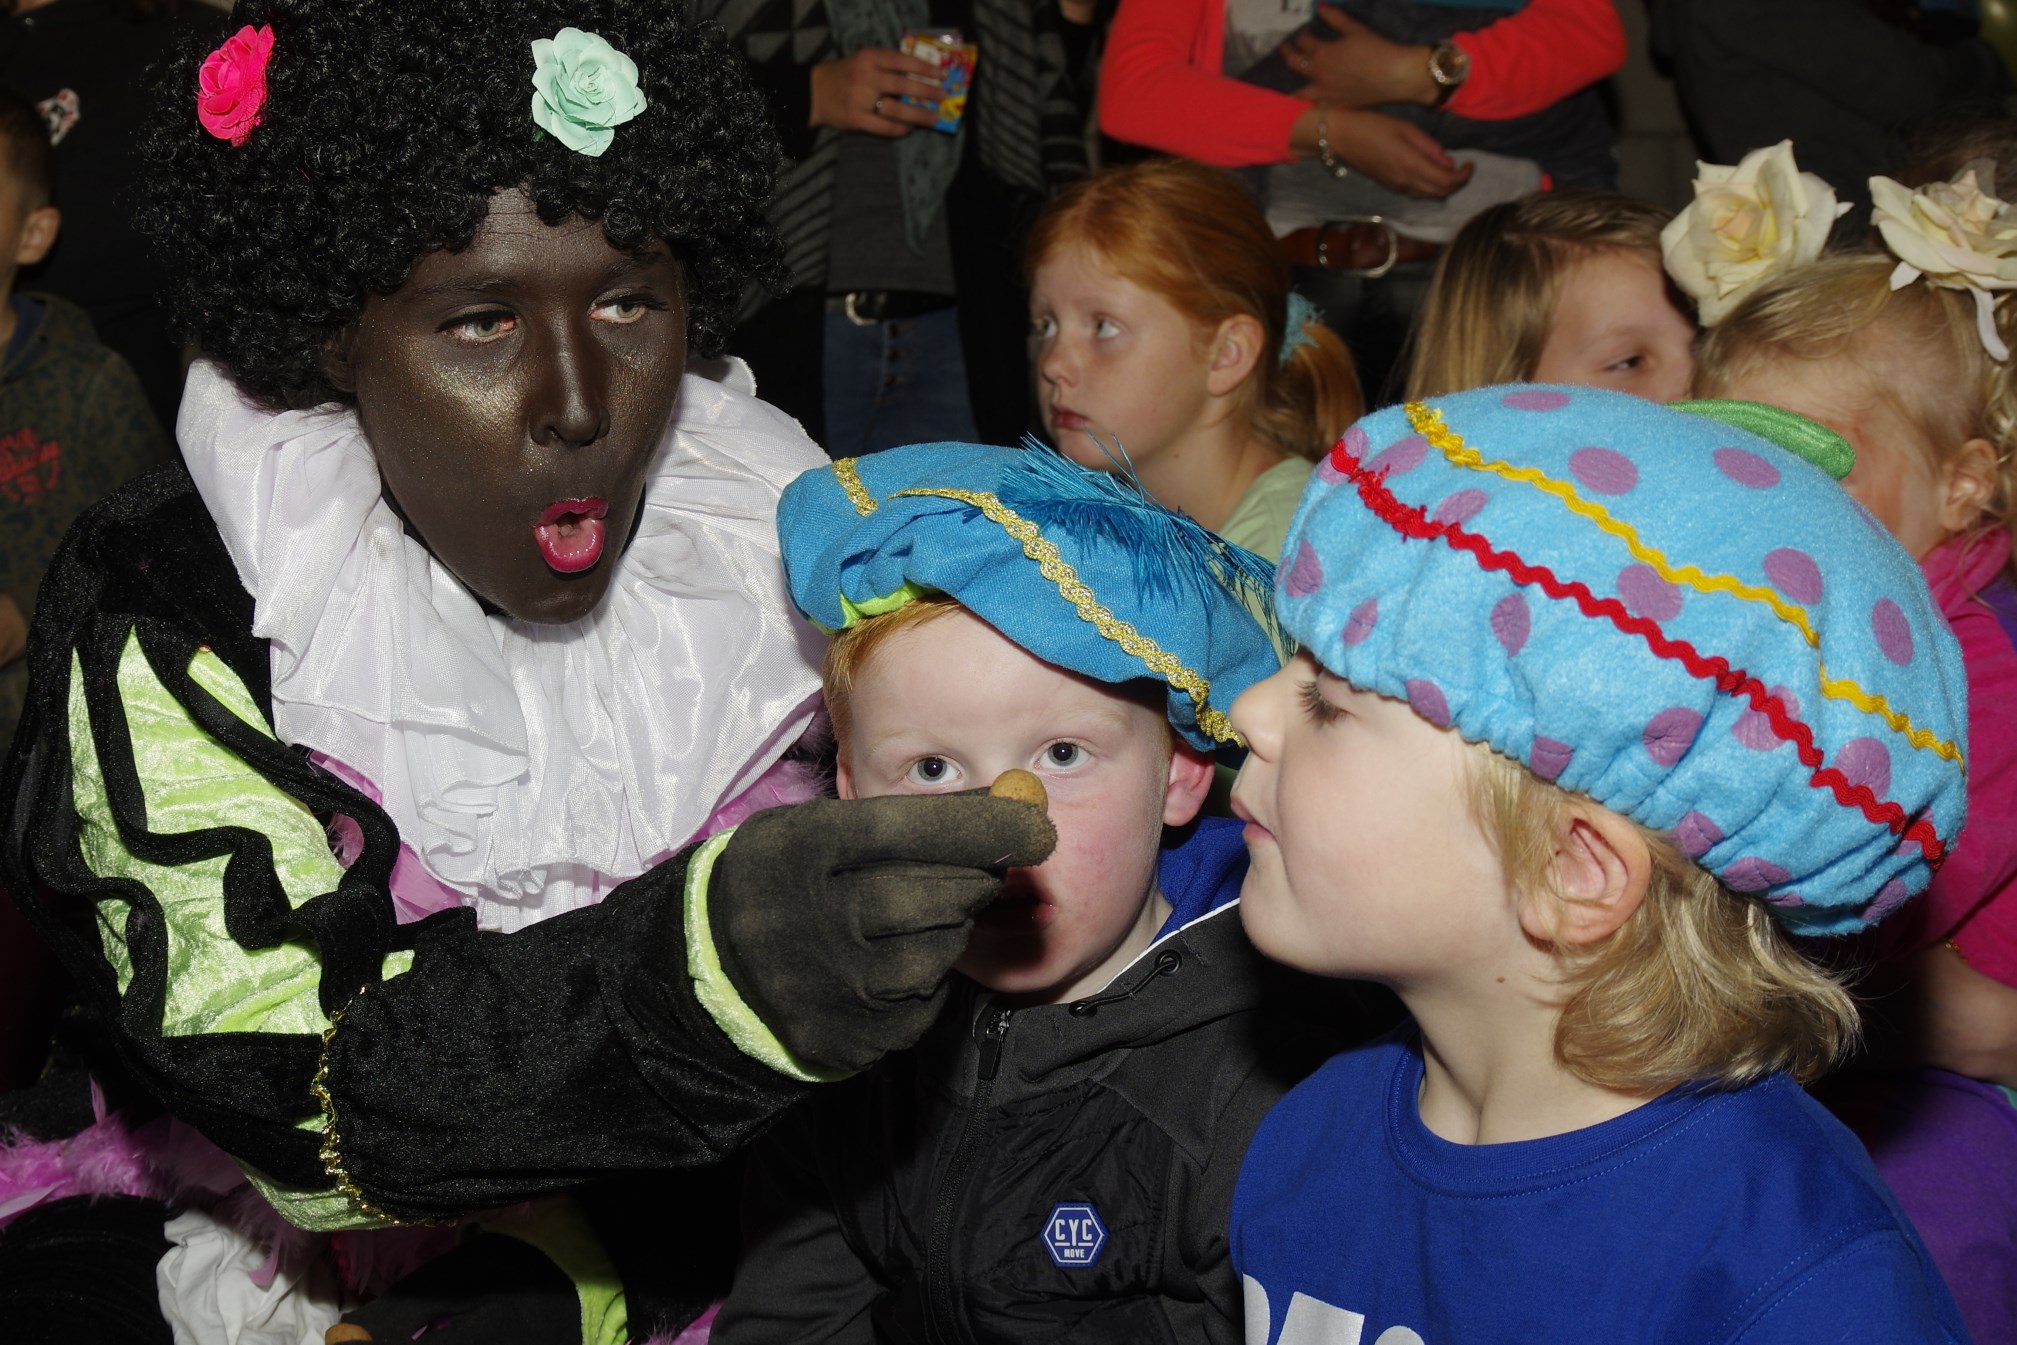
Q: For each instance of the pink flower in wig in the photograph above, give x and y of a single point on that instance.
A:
(231, 87)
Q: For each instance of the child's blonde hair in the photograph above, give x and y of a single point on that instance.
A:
(1194, 236)
(1932, 369)
(1699, 983)
(852, 647)
(1487, 313)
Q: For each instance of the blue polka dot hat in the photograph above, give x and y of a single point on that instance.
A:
(1681, 619)
(1076, 566)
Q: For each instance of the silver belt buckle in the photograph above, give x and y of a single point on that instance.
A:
(847, 307)
(1379, 221)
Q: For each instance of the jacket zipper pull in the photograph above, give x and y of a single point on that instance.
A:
(989, 1033)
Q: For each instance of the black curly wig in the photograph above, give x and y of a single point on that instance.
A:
(387, 128)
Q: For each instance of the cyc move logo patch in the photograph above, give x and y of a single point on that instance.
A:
(1074, 1236)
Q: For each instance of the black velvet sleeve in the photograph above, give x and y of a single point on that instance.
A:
(499, 1067)
(508, 1065)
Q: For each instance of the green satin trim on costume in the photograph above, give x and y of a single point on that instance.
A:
(190, 781)
(716, 993)
(558, 1228)
(319, 1210)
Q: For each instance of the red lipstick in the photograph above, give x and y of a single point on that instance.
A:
(570, 534)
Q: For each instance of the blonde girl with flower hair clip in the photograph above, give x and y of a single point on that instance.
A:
(1168, 344)
(1894, 355)
(1556, 287)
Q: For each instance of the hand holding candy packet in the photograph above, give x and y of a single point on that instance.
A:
(948, 49)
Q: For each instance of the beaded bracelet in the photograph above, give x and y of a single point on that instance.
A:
(1331, 163)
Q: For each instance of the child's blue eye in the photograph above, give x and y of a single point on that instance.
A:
(1063, 754)
(930, 771)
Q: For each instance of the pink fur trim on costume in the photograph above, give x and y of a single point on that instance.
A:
(167, 1160)
(161, 1160)
(103, 1159)
(696, 1334)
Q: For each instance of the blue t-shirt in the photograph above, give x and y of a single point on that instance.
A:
(1202, 871)
(1701, 1217)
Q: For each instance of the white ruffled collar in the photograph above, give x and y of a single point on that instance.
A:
(529, 768)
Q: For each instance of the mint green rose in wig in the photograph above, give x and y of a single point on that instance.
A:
(582, 89)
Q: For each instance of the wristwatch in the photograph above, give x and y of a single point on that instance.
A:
(1449, 66)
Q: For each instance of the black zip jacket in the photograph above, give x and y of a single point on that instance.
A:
(1061, 1173)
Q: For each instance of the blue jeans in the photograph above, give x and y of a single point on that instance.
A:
(891, 383)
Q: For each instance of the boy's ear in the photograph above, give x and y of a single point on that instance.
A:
(843, 778)
(1190, 780)
(1236, 346)
(338, 360)
(1969, 485)
(38, 235)
(1601, 869)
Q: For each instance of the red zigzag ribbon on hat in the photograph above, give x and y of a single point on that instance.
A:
(1413, 521)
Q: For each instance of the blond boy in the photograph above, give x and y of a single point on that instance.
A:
(1598, 702)
(1056, 1158)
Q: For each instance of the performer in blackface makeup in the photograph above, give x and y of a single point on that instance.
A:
(364, 761)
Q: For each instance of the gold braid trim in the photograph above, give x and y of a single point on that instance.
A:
(331, 1153)
(1212, 723)
(844, 471)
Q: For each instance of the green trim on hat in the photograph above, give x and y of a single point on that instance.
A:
(1795, 433)
(858, 612)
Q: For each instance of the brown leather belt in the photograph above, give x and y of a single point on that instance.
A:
(1367, 246)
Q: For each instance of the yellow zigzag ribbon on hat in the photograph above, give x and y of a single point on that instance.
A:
(1051, 564)
(1428, 423)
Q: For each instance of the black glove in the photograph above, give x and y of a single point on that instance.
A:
(837, 921)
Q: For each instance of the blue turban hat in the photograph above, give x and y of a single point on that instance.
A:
(1076, 566)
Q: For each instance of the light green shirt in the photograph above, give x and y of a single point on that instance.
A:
(1260, 521)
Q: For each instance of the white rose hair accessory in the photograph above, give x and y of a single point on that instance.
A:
(1747, 223)
(1957, 235)
(582, 90)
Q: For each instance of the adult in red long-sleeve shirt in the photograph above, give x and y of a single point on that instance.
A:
(1162, 86)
